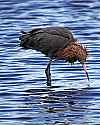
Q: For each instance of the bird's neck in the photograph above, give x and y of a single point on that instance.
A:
(70, 53)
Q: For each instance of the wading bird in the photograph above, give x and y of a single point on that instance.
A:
(56, 43)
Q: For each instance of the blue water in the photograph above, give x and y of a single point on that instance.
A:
(24, 97)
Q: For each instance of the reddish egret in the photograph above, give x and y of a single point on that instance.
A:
(56, 43)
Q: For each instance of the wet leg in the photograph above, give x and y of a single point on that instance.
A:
(48, 74)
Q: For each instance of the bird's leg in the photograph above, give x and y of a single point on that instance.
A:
(48, 74)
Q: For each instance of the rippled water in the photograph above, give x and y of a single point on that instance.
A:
(24, 97)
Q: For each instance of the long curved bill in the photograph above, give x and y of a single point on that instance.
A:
(84, 67)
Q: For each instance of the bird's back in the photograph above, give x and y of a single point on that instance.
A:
(47, 40)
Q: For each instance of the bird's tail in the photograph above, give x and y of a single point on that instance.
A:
(23, 32)
(24, 37)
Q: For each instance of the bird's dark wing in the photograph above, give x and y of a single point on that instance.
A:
(47, 40)
(48, 43)
(60, 31)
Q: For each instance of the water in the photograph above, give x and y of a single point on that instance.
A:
(24, 97)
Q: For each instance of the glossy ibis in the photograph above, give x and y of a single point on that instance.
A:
(56, 43)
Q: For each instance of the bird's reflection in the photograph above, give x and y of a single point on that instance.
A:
(60, 106)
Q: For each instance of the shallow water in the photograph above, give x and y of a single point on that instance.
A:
(24, 97)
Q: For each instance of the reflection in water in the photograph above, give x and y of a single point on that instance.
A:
(24, 96)
(68, 106)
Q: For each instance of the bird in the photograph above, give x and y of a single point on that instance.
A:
(57, 43)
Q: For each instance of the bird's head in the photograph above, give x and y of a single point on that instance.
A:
(74, 52)
(81, 56)
(79, 53)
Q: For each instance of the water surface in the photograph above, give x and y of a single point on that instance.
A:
(24, 97)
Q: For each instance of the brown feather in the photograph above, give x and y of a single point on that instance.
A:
(72, 53)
